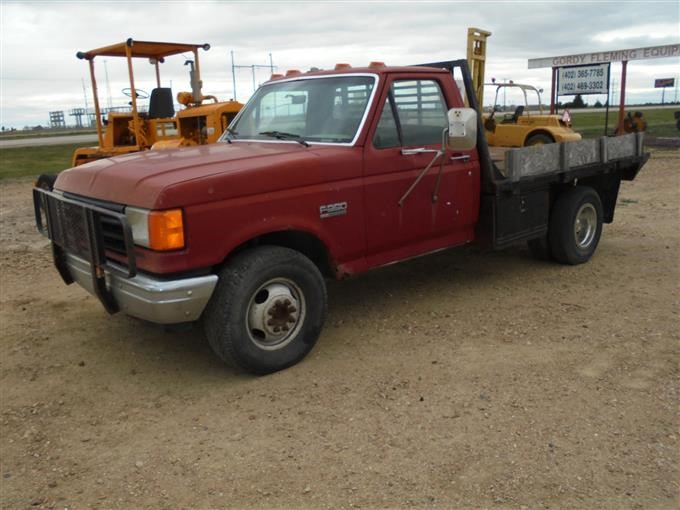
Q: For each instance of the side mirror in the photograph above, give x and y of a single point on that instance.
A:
(462, 128)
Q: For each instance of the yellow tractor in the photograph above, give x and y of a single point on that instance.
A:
(201, 121)
(519, 127)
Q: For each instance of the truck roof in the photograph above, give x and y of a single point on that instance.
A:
(141, 49)
(373, 68)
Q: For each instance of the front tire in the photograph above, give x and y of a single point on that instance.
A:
(575, 225)
(46, 182)
(539, 139)
(267, 310)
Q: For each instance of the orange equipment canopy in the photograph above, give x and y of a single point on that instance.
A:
(142, 49)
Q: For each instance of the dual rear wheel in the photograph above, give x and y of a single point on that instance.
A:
(574, 229)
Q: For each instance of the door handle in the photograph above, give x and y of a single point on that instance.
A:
(419, 150)
(464, 157)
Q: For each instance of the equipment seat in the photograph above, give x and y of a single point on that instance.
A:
(512, 119)
(161, 105)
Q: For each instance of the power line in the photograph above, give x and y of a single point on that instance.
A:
(252, 67)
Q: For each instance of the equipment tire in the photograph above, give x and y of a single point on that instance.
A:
(46, 182)
(575, 225)
(267, 310)
(539, 139)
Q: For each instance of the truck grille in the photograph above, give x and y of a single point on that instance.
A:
(93, 230)
(112, 234)
(69, 228)
(111, 227)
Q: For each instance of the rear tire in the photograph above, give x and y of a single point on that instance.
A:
(267, 310)
(575, 225)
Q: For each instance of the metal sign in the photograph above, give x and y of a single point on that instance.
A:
(669, 50)
(590, 79)
(660, 83)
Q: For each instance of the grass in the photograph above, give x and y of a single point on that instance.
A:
(660, 122)
(33, 161)
(36, 160)
(21, 135)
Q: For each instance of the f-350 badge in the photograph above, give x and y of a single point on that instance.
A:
(330, 210)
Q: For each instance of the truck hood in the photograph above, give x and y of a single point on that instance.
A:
(180, 177)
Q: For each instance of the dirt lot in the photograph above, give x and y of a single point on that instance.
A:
(467, 379)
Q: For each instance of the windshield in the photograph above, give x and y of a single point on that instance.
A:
(327, 110)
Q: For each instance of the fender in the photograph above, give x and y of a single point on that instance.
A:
(210, 241)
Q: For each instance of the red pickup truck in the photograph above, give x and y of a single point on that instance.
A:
(323, 174)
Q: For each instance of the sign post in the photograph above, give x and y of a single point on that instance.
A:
(663, 84)
(583, 80)
(587, 79)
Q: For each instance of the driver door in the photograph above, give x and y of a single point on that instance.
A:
(403, 219)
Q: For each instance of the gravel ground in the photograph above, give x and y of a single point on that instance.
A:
(466, 379)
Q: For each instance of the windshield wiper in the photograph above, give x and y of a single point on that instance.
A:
(281, 135)
(230, 134)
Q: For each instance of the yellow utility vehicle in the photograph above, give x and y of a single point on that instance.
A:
(522, 127)
(202, 120)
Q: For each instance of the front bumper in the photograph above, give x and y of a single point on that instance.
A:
(84, 234)
(151, 299)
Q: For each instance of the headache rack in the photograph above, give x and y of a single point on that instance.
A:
(94, 232)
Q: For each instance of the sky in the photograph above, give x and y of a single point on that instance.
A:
(39, 71)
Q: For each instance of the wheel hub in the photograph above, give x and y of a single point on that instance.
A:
(275, 314)
(281, 315)
(585, 225)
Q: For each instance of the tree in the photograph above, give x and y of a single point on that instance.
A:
(598, 104)
(578, 102)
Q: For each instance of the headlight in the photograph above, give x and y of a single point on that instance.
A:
(156, 230)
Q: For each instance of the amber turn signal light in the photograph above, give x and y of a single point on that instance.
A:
(166, 230)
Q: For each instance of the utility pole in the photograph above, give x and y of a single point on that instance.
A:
(504, 91)
(82, 81)
(233, 74)
(108, 86)
(252, 68)
(87, 117)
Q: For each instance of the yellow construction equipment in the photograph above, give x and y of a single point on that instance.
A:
(476, 57)
(202, 120)
(519, 127)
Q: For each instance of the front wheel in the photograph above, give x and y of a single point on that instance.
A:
(539, 139)
(46, 182)
(575, 225)
(267, 310)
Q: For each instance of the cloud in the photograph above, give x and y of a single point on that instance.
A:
(659, 31)
(38, 41)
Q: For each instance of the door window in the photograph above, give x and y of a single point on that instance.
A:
(421, 115)
(386, 133)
